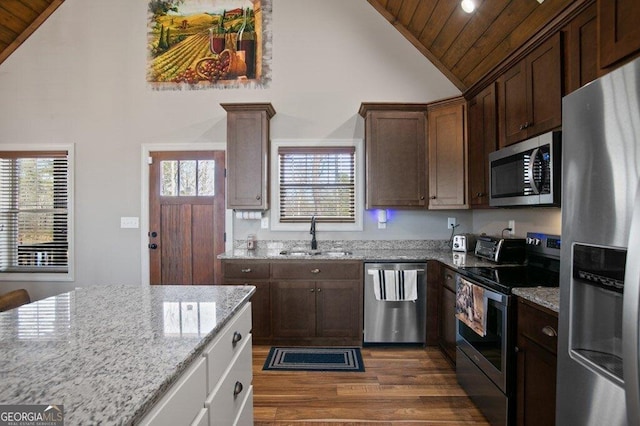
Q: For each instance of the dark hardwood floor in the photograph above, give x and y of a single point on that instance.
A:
(400, 386)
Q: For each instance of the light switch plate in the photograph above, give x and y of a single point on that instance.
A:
(129, 222)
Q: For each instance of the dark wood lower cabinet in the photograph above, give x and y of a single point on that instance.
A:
(447, 314)
(536, 365)
(302, 302)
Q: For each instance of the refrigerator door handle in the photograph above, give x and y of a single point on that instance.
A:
(630, 318)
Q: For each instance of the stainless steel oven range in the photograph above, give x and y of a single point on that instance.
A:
(485, 358)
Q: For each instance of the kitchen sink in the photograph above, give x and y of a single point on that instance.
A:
(300, 252)
(332, 253)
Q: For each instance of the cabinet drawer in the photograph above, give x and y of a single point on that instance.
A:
(245, 270)
(221, 351)
(245, 416)
(317, 270)
(183, 401)
(228, 399)
(538, 326)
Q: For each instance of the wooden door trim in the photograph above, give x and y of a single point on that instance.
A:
(144, 197)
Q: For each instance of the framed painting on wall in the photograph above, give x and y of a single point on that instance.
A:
(200, 44)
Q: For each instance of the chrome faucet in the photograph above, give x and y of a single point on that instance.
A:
(312, 231)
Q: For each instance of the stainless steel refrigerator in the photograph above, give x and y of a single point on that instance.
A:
(600, 260)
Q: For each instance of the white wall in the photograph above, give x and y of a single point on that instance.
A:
(80, 78)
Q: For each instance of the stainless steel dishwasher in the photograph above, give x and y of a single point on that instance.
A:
(395, 321)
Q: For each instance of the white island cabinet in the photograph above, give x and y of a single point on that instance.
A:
(216, 389)
(131, 355)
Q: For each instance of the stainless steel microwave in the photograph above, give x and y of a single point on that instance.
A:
(526, 173)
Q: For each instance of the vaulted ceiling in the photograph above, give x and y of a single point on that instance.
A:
(464, 47)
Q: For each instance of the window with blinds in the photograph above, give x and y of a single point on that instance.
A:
(317, 181)
(34, 211)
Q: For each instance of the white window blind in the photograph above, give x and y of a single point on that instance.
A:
(317, 181)
(34, 211)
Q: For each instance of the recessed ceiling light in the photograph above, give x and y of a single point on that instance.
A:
(468, 5)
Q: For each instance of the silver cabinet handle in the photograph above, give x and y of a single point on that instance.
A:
(319, 290)
(245, 270)
(315, 271)
(549, 331)
(312, 290)
(236, 338)
(237, 389)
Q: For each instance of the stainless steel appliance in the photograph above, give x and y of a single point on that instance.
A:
(598, 323)
(464, 242)
(485, 365)
(388, 321)
(526, 173)
(500, 250)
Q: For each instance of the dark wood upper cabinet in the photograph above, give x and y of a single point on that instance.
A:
(581, 50)
(447, 155)
(483, 139)
(530, 94)
(395, 140)
(619, 30)
(248, 155)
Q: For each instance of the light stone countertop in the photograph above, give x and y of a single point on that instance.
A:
(109, 353)
(548, 297)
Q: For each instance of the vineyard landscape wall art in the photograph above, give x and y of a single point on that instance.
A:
(200, 44)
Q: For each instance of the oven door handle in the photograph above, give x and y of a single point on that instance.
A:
(502, 299)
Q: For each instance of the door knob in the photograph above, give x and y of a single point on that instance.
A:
(153, 234)
(153, 246)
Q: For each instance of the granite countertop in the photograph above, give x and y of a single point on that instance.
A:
(549, 297)
(401, 251)
(108, 353)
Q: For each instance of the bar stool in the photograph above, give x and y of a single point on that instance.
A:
(14, 299)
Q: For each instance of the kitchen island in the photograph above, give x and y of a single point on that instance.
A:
(110, 353)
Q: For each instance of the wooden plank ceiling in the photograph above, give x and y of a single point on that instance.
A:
(466, 47)
(19, 19)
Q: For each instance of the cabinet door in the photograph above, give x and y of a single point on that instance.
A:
(512, 89)
(536, 366)
(483, 139)
(581, 50)
(447, 317)
(619, 30)
(544, 87)
(256, 273)
(395, 157)
(447, 150)
(338, 309)
(294, 309)
(248, 155)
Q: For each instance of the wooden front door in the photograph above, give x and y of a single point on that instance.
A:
(186, 223)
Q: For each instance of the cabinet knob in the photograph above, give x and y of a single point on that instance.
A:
(319, 290)
(422, 197)
(236, 338)
(433, 197)
(522, 127)
(517, 349)
(315, 271)
(549, 331)
(480, 194)
(448, 276)
(258, 197)
(312, 290)
(237, 389)
(245, 270)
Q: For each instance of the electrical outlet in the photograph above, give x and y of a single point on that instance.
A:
(512, 225)
(451, 222)
(264, 223)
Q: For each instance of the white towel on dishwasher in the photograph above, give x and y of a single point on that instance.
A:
(395, 286)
